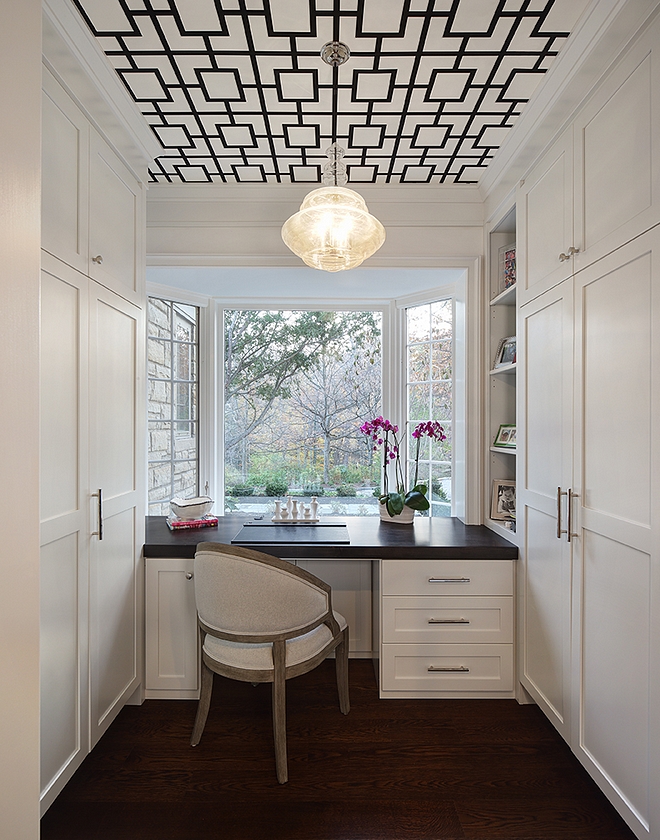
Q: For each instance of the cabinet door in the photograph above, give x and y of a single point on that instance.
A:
(545, 379)
(172, 658)
(351, 596)
(617, 154)
(64, 548)
(544, 217)
(617, 588)
(64, 180)
(116, 217)
(116, 371)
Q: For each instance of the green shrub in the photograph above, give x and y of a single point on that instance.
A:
(276, 487)
(313, 490)
(241, 490)
(346, 490)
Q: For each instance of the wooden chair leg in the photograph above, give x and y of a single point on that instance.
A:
(279, 712)
(203, 705)
(341, 666)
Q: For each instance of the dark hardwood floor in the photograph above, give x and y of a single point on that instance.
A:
(390, 770)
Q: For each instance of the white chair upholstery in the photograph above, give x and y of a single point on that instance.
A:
(262, 619)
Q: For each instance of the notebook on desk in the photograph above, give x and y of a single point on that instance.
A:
(265, 532)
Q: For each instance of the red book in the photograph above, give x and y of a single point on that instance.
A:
(188, 524)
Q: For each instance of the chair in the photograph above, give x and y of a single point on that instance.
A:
(262, 619)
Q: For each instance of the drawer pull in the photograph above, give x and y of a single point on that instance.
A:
(460, 668)
(189, 575)
(449, 620)
(449, 580)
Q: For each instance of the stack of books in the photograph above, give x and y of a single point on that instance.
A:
(175, 524)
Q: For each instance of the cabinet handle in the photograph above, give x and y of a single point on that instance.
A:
(560, 530)
(563, 257)
(189, 575)
(98, 259)
(99, 533)
(449, 580)
(569, 523)
(436, 669)
(449, 621)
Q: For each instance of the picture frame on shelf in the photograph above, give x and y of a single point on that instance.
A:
(506, 436)
(503, 499)
(507, 267)
(506, 352)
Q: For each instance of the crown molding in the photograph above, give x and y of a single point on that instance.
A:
(72, 54)
(600, 36)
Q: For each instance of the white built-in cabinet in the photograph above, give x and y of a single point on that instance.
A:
(444, 628)
(91, 452)
(94, 214)
(588, 412)
(172, 659)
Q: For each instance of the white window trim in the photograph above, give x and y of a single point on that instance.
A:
(467, 466)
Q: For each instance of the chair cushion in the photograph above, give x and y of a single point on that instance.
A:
(258, 657)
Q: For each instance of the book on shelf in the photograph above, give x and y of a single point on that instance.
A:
(189, 524)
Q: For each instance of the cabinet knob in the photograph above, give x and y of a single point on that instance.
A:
(563, 257)
(189, 575)
(98, 259)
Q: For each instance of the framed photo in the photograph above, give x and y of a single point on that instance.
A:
(507, 267)
(506, 436)
(503, 502)
(506, 352)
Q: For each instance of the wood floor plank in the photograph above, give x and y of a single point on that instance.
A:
(389, 770)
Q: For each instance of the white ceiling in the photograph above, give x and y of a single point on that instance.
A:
(291, 286)
(236, 91)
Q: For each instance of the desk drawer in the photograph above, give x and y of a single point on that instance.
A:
(448, 620)
(447, 577)
(421, 668)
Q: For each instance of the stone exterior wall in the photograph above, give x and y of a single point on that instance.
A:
(172, 452)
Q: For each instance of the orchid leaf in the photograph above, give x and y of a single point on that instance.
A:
(416, 498)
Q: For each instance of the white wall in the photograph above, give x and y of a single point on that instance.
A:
(20, 105)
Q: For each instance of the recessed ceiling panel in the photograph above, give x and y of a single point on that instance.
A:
(236, 90)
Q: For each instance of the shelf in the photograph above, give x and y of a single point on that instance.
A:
(508, 449)
(504, 369)
(505, 298)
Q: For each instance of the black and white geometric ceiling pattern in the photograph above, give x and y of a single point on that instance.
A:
(236, 91)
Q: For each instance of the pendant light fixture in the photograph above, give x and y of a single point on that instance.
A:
(333, 230)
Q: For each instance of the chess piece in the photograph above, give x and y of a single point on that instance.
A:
(314, 507)
(294, 509)
(278, 512)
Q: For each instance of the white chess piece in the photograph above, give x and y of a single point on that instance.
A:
(294, 509)
(307, 513)
(278, 512)
(314, 507)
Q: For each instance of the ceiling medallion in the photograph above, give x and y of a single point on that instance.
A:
(333, 230)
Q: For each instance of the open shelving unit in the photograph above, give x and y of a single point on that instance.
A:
(501, 397)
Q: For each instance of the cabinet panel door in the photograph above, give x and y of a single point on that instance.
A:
(617, 169)
(116, 360)
(545, 379)
(64, 545)
(172, 661)
(544, 217)
(64, 179)
(115, 220)
(616, 592)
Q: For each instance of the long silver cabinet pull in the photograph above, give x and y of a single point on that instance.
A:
(449, 580)
(569, 521)
(560, 530)
(459, 669)
(449, 620)
(99, 495)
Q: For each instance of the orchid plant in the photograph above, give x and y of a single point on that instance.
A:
(383, 434)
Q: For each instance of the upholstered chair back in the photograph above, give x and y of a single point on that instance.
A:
(253, 594)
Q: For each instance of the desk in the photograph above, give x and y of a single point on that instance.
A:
(380, 582)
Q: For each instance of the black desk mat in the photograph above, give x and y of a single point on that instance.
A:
(266, 533)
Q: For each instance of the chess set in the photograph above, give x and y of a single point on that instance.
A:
(293, 512)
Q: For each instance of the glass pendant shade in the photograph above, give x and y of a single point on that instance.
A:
(333, 230)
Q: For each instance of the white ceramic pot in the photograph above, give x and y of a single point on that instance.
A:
(404, 518)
